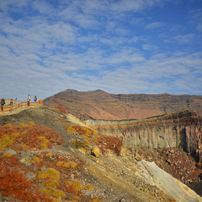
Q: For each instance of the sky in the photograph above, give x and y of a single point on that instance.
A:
(118, 46)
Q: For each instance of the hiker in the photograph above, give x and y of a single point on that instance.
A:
(2, 103)
(28, 99)
(35, 98)
(11, 103)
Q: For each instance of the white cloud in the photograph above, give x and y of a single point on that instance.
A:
(93, 44)
(181, 38)
(149, 47)
(155, 25)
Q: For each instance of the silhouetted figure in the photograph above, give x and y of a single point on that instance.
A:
(2, 103)
(35, 98)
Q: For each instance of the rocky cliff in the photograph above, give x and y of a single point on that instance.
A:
(179, 129)
(102, 105)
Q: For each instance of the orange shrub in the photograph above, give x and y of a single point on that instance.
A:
(61, 109)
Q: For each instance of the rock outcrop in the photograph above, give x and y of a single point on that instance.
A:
(180, 129)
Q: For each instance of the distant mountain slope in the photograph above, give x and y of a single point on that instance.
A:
(102, 105)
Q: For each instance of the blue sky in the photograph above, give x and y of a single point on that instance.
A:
(119, 46)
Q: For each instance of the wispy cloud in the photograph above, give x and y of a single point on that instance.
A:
(155, 25)
(188, 38)
(47, 47)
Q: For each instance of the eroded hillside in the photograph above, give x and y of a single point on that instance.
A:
(101, 105)
(48, 155)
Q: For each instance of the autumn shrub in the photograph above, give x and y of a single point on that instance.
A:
(59, 163)
(51, 173)
(8, 125)
(31, 123)
(61, 109)
(22, 125)
(89, 187)
(24, 147)
(7, 154)
(51, 183)
(53, 192)
(5, 140)
(14, 136)
(44, 146)
(36, 159)
(43, 139)
(49, 154)
(14, 183)
(2, 147)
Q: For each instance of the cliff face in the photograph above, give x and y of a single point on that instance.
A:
(101, 105)
(180, 129)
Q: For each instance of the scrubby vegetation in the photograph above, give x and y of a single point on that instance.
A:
(42, 175)
(91, 137)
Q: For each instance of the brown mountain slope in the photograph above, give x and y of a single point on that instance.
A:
(102, 105)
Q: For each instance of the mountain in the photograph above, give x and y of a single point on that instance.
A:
(102, 105)
(49, 155)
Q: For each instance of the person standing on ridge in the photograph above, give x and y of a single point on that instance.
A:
(11, 103)
(28, 99)
(2, 103)
(35, 98)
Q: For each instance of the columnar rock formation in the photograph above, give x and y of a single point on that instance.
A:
(180, 129)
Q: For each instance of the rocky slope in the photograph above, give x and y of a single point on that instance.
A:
(181, 129)
(101, 105)
(48, 155)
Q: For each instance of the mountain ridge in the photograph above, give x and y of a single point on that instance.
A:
(99, 104)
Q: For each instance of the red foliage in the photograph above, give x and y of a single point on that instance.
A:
(61, 109)
(30, 138)
(15, 183)
(113, 143)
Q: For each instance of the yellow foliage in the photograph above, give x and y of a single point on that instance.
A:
(50, 173)
(77, 186)
(24, 133)
(27, 160)
(2, 147)
(24, 147)
(59, 163)
(43, 139)
(75, 197)
(14, 136)
(44, 146)
(68, 183)
(36, 159)
(31, 123)
(22, 125)
(7, 154)
(88, 132)
(95, 140)
(73, 164)
(95, 134)
(89, 187)
(5, 140)
(53, 192)
(8, 125)
(66, 165)
(51, 183)
(70, 129)
(49, 154)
